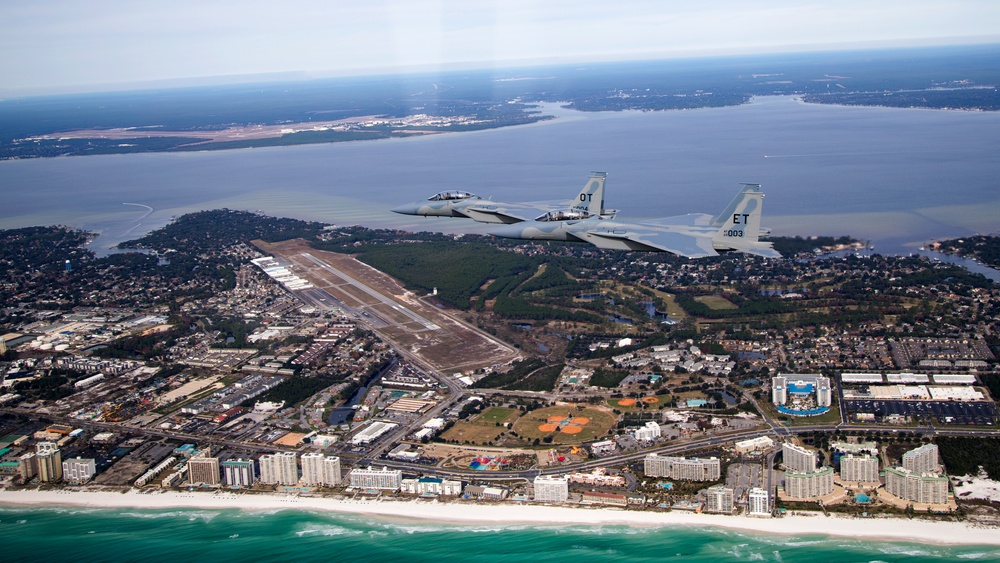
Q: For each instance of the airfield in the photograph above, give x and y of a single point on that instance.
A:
(418, 328)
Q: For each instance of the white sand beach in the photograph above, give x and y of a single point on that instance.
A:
(509, 513)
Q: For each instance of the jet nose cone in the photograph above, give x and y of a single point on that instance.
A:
(405, 209)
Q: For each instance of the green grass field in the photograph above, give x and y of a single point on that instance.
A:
(472, 433)
(493, 415)
(715, 302)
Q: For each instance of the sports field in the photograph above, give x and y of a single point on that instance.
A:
(565, 424)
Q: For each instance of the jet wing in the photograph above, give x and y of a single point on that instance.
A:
(684, 235)
(681, 244)
(498, 214)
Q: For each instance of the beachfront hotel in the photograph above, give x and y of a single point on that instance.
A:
(204, 470)
(758, 502)
(49, 460)
(719, 500)
(319, 470)
(859, 468)
(813, 484)
(681, 468)
(279, 469)
(431, 486)
(239, 472)
(549, 488)
(27, 466)
(385, 478)
(79, 469)
(919, 479)
(923, 488)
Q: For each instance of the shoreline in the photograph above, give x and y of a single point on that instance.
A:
(507, 513)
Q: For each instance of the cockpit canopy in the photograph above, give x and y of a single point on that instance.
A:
(449, 196)
(564, 215)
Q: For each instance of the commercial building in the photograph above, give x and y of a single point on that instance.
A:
(798, 459)
(758, 502)
(683, 469)
(924, 488)
(648, 432)
(204, 470)
(279, 469)
(922, 460)
(79, 469)
(754, 445)
(385, 478)
(319, 470)
(549, 488)
(720, 500)
(602, 447)
(809, 485)
(372, 432)
(861, 468)
(239, 472)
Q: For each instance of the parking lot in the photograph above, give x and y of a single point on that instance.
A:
(962, 413)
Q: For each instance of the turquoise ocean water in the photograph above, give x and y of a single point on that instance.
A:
(49, 534)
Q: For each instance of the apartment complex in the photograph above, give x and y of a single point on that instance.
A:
(682, 469)
(279, 469)
(860, 468)
(813, 484)
(385, 478)
(551, 488)
(720, 500)
(798, 459)
(923, 488)
(319, 470)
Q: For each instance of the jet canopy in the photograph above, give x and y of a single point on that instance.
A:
(563, 215)
(450, 196)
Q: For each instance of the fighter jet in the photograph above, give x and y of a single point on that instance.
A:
(464, 204)
(697, 235)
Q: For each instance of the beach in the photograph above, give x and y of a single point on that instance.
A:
(514, 514)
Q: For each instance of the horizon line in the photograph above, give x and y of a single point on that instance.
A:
(541, 62)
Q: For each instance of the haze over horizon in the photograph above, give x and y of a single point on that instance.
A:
(69, 46)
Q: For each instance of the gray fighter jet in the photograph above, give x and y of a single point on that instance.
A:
(464, 204)
(696, 235)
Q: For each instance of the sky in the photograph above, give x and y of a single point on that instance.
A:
(76, 45)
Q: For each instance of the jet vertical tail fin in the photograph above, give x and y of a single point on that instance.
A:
(739, 225)
(591, 198)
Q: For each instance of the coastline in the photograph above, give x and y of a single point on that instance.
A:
(510, 514)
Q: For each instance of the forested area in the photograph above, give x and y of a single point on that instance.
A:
(527, 375)
(457, 270)
(210, 231)
(964, 455)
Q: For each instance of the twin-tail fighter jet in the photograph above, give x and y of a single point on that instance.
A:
(590, 202)
(695, 236)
